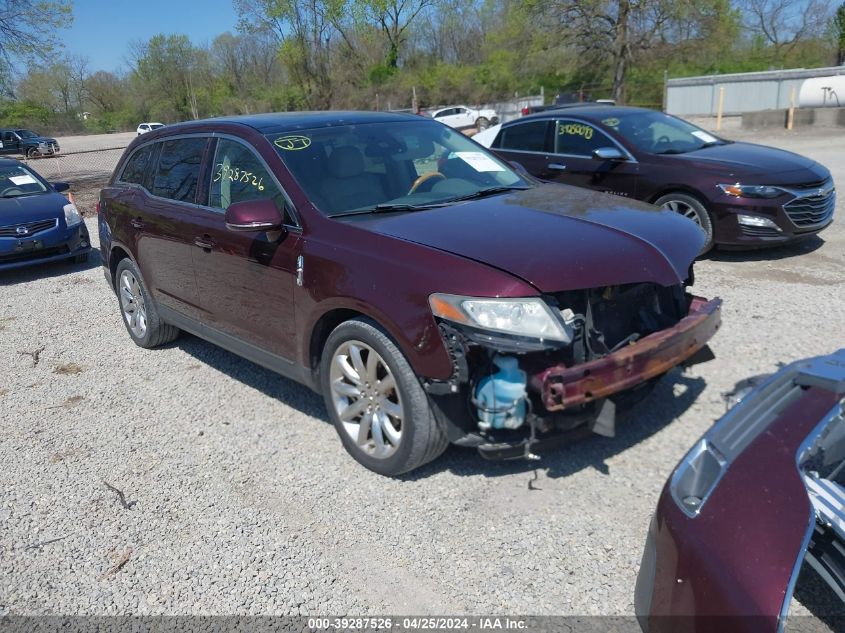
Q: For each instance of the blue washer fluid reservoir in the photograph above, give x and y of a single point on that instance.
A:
(500, 397)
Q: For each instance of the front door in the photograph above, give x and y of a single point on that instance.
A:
(245, 281)
(573, 162)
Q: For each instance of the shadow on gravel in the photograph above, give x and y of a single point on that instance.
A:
(648, 417)
(787, 251)
(267, 382)
(45, 271)
(820, 600)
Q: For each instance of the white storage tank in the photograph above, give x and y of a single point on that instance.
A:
(819, 92)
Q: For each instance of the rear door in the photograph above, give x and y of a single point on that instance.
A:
(245, 281)
(162, 215)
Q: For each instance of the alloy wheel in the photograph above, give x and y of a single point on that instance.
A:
(684, 209)
(366, 399)
(132, 304)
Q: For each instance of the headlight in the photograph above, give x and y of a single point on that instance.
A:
(751, 191)
(72, 216)
(530, 317)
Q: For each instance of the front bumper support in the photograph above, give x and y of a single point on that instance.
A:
(563, 387)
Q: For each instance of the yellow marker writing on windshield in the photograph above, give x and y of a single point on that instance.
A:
(294, 142)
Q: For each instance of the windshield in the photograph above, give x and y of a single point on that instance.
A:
(659, 133)
(26, 134)
(391, 166)
(17, 180)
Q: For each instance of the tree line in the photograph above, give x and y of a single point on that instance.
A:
(375, 54)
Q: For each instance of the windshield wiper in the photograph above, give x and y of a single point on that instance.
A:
(489, 191)
(387, 207)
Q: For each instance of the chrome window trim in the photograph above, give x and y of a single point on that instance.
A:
(554, 120)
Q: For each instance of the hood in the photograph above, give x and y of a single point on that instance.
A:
(30, 208)
(766, 165)
(556, 237)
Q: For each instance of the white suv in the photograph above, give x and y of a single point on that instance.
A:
(148, 127)
(461, 117)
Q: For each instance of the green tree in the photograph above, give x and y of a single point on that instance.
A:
(30, 31)
(839, 25)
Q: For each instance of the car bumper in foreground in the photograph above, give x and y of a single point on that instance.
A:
(730, 561)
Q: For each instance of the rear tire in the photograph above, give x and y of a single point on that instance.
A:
(138, 310)
(693, 209)
(376, 402)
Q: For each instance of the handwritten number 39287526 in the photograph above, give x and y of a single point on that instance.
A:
(236, 174)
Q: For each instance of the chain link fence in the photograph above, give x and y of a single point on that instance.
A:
(87, 171)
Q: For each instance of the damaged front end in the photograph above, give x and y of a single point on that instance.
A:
(536, 372)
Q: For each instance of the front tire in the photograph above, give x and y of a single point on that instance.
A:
(481, 123)
(139, 312)
(32, 153)
(376, 402)
(693, 209)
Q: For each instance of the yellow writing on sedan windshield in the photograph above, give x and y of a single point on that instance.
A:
(293, 142)
(611, 122)
(236, 174)
(576, 129)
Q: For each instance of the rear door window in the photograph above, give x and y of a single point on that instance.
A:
(525, 137)
(576, 138)
(178, 169)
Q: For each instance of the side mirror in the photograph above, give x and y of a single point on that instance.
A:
(61, 186)
(609, 153)
(253, 215)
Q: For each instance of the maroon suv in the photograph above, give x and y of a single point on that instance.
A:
(429, 291)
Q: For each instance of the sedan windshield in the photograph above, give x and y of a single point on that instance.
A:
(17, 180)
(401, 166)
(659, 133)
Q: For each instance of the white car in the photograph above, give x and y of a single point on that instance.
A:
(148, 127)
(462, 117)
(486, 137)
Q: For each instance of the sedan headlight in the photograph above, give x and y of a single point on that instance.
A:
(751, 191)
(72, 216)
(530, 317)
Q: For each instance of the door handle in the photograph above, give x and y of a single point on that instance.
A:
(137, 223)
(205, 243)
(556, 166)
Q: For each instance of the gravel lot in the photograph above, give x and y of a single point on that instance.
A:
(242, 499)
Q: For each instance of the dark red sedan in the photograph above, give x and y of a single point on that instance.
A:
(740, 194)
(756, 506)
(430, 292)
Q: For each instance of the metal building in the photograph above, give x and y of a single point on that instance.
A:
(744, 92)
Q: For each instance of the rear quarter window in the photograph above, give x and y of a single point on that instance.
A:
(136, 167)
